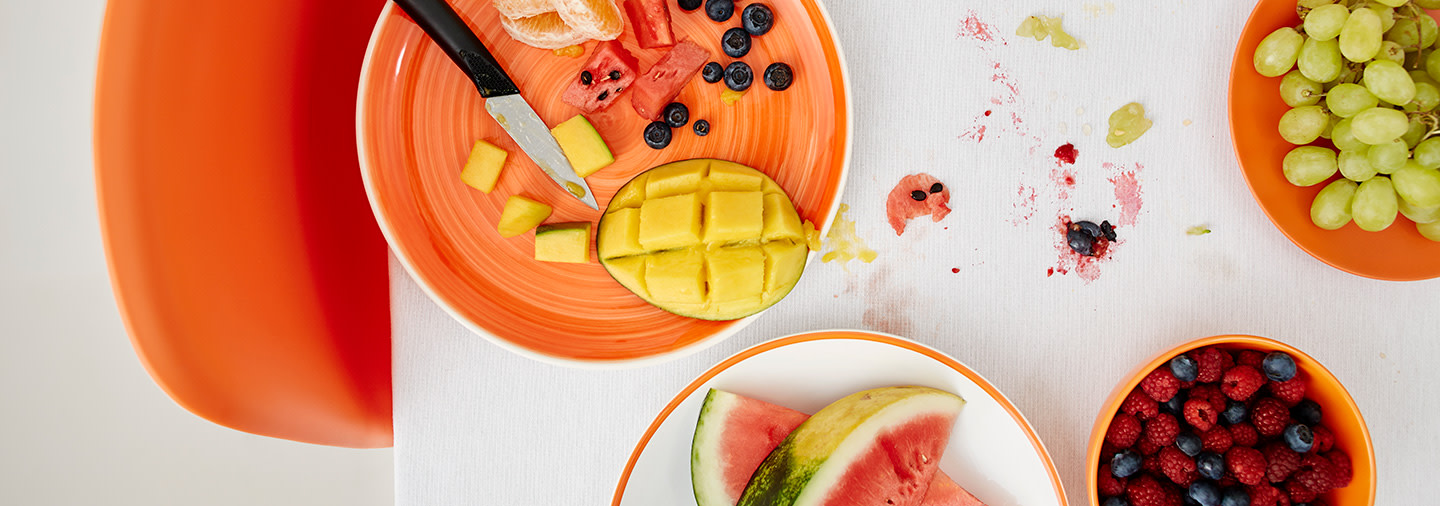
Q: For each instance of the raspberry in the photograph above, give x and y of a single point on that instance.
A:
(1147, 448)
(1212, 393)
(1227, 482)
(1162, 429)
(1324, 439)
(1123, 431)
(1109, 484)
(1107, 451)
(1289, 392)
(1282, 462)
(1160, 384)
(1200, 414)
(1151, 465)
(1211, 362)
(1266, 495)
(1298, 493)
(1217, 440)
(1344, 472)
(1177, 466)
(1241, 382)
(1247, 464)
(1244, 434)
(1269, 416)
(1318, 473)
(1145, 491)
(1250, 358)
(1139, 405)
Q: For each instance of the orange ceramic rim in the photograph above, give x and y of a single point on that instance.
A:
(1398, 253)
(1335, 399)
(442, 231)
(822, 335)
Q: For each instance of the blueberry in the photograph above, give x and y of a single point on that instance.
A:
(712, 72)
(1235, 412)
(757, 19)
(1235, 496)
(937, 188)
(779, 76)
(735, 42)
(719, 10)
(676, 115)
(657, 135)
(1107, 229)
(1089, 227)
(1307, 412)
(1080, 242)
(738, 76)
(1125, 463)
(702, 127)
(1115, 501)
(1175, 406)
(1189, 443)
(1184, 368)
(1210, 465)
(1278, 366)
(1205, 493)
(690, 5)
(1299, 437)
(918, 195)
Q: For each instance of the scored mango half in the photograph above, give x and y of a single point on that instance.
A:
(703, 238)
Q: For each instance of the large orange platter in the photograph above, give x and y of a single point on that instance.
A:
(418, 115)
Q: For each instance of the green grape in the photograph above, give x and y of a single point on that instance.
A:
(1388, 157)
(1387, 17)
(1127, 124)
(1415, 133)
(1320, 60)
(1378, 125)
(1347, 75)
(1324, 22)
(1313, 4)
(1419, 214)
(1355, 166)
(1360, 37)
(1374, 206)
(1331, 209)
(1432, 65)
(1389, 82)
(1427, 153)
(1344, 139)
(1348, 99)
(1297, 90)
(1428, 30)
(1392, 3)
(1277, 52)
(1431, 230)
(1391, 51)
(1420, 76)
(1427, 96)
(1406, 33)
(1308, 165)
(1428, 4)
(1330, 126)
(1417, 185)
(1302, 125)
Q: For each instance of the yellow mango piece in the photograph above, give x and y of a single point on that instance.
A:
(736, 274)
(670, 222)
(675, 179)
(520, 215)
(783, 263)
(630, 272)
(582, 145)
(780, 224)
(729, 96)
(621, 230)
(734, 216)
(726, 176)
(563, 242)
(630, 195)
(483, 168)
(676, 276)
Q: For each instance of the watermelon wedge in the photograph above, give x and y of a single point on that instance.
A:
(734, 436)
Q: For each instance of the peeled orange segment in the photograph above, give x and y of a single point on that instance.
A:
(707, 239)
(544, 31)
(596, 19)
(516, 9)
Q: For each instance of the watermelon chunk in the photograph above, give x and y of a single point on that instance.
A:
(660, 84)
(609, 72)
(651, 21)
(734, 436)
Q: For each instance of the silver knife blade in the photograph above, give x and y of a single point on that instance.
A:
(523, 125)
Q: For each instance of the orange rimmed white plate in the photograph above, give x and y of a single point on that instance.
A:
(808, 371)
(1398, 253)
(418, 116)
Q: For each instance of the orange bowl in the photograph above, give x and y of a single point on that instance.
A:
(1398, 253)
(1342, 416)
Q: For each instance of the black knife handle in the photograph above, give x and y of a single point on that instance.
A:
(445, 27)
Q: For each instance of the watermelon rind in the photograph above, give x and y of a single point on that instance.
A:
(705, 474)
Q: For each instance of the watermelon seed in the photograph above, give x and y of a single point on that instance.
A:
(586, 78)
(603, 94)
(614, 75)
(918, 195)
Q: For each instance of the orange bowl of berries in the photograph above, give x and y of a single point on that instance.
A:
(1231, 421)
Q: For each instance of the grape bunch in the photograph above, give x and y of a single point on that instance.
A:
(1365, 75)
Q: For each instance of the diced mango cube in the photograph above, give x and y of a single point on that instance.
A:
(631, 195)
(563, 242)
(781, 222)
(676, 276)
(582, 145)
(520, 215)
(734, 216)
(620, 231)
(670, 222)
(482, 170)
(736, 274)
(630, 272)
(727, 176)
(675, 179)
(784, 261)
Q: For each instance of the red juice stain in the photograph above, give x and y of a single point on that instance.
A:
(1127, 194)
(902, 205)
(1066, 153)
(1087, 267)
(987, 112)
(972, 27)
(954, 270)
(1049, 272)
(975, 133)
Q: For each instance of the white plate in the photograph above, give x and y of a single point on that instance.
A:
(808, 371)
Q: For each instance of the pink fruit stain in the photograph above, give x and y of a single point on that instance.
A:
(901, 206)
(1066, 153)
(975, 133)
(1025, 203)
(973, 28)
(1086, 267)
(1064, 180)
(1127, 193)
(954, 270)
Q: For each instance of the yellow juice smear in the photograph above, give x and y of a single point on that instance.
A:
(729, 96)
(844, 244)
(570, 51)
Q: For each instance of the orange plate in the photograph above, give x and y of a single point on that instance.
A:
(248, 268)
(418, 116)
(1398, 253)
(1342, 416)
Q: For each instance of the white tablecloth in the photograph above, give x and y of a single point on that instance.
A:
(475, 424)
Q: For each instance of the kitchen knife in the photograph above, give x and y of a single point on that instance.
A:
(502, 97)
